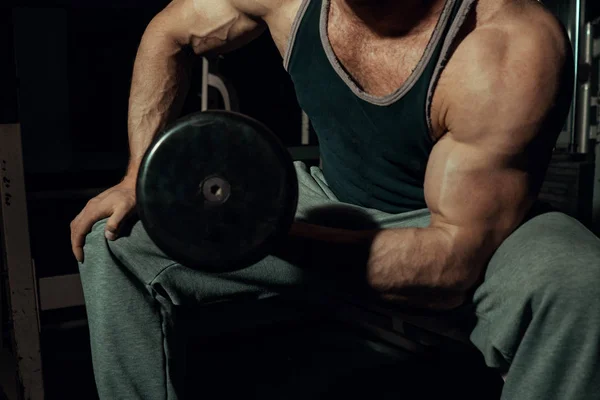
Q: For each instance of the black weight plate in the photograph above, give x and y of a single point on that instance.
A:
(216, 191)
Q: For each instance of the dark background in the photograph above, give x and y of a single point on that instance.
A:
(65, 71)
(73, 74)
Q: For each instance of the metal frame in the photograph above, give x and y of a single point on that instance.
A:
(212, 80)
(61, 291)
(577, 31)
(583, 105)
(21, 286)
(595, 128)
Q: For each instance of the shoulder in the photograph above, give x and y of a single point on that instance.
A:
(519, 41)
(515, 64)
(517, 30)
(250, 8)
(260, 8)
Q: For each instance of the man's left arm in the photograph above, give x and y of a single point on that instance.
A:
(502, 119)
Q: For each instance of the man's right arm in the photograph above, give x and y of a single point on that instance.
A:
(160, 82)
(185, 28)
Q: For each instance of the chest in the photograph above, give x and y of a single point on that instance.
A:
(379, 66)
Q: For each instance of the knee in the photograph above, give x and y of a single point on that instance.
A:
(113, 267)
(97, 272)
(132, 256)
(551, 260)
(568, 292)
(96, 247)
(134, 243)
(573, 294)
(551, 244)
(103, 258)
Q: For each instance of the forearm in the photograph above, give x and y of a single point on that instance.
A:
(414, 266)
(419, 267)
(159, 86)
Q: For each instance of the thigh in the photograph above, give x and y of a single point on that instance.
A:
(292, 266)
(551, 262)
(549, 250)
(149, 265)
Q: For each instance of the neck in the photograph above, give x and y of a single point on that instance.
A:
(392, 17)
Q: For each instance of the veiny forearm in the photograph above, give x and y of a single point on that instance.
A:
(417, 267)
(159, 86)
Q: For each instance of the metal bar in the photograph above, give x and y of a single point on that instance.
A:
(36, 294)
(204, 98)
(305, 135)
(61, 292)
(82, 194)
(584, 95)
(17, 256)
(218, 83)
(67, 325)
(575, 38)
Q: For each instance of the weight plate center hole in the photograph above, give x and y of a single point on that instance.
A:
(215, 189)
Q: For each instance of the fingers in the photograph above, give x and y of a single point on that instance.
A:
(81, 226)
(78, 252)
(114, 223)
(115, 204)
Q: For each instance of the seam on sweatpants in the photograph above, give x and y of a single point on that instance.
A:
(160, 273)
(163, 337)
(323, 185)
(507, 356)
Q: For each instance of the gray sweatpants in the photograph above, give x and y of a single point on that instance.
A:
(537, 311)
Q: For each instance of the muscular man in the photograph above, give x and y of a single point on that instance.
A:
(437, 119)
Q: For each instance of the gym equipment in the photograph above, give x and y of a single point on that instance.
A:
(217, 191)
